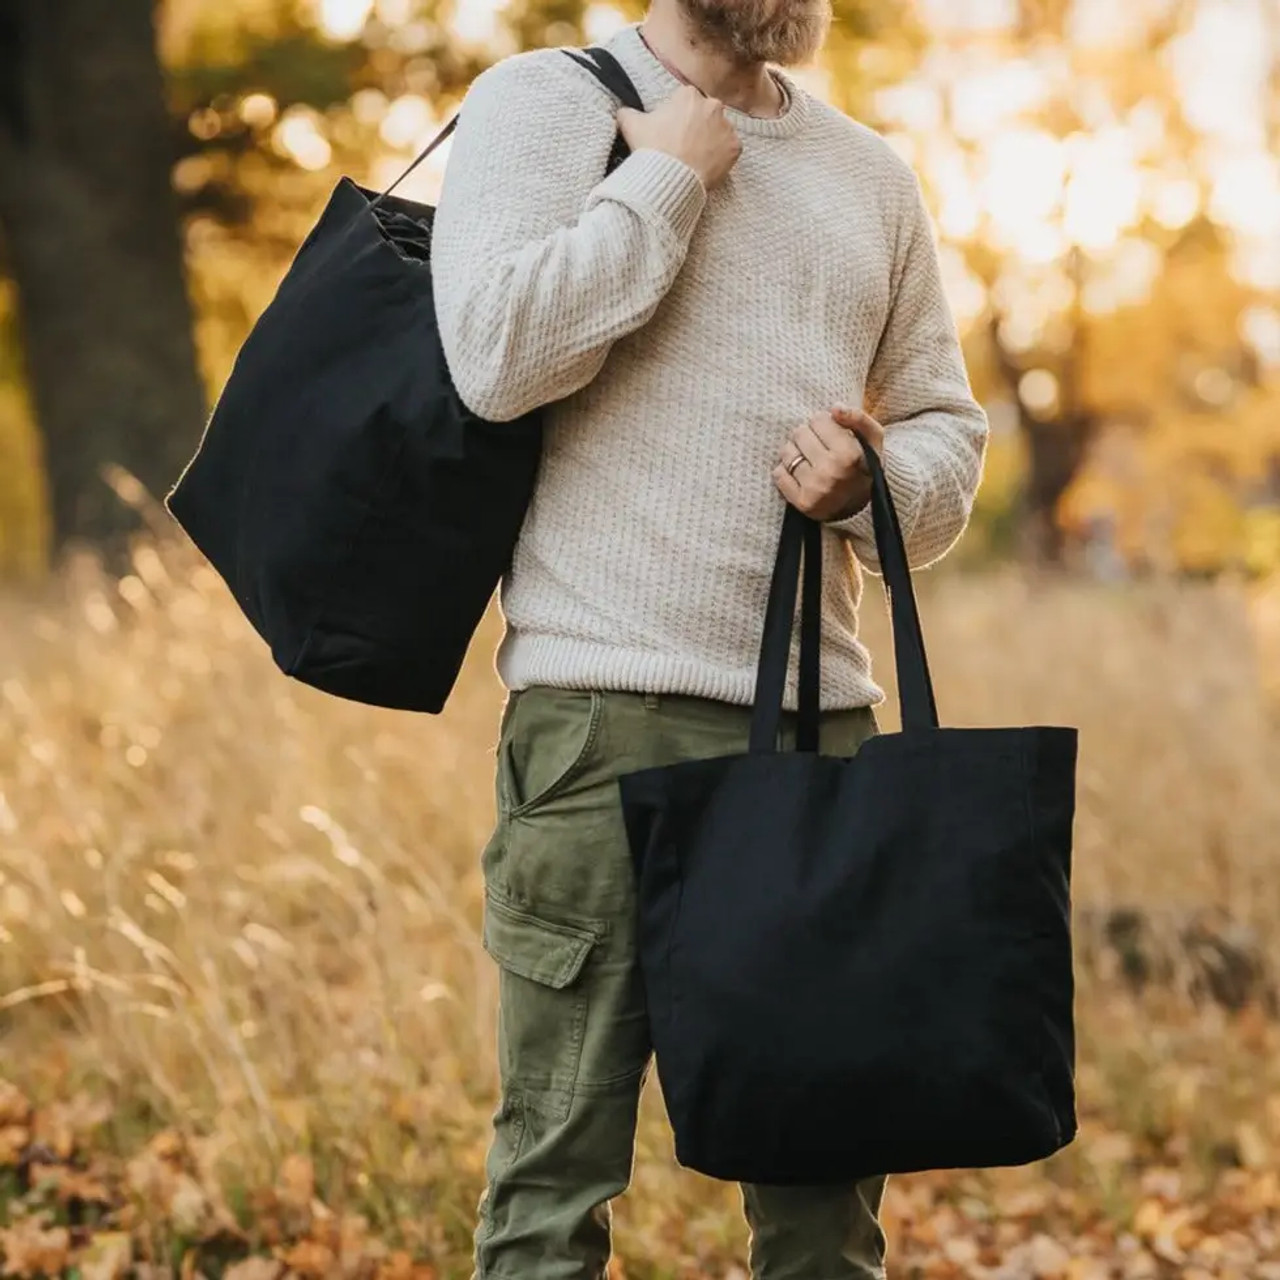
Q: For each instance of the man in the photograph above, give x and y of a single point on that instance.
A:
(695, 321)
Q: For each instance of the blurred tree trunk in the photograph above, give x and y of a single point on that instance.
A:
(1055, 453)
(1056, 443)
(91, 237)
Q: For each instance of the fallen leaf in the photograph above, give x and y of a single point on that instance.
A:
(106, 1257)
(325, 1229)
(254, 1269)
(397, 1266)
(939, 1268)
(1140, 1266)
(70, 1184)
(400, 1266)
(32, 1250)
(82, 1185)
(943, 1223)
(1209, 1247)
(1149, 1218)
(56, 1137)
(152, 1179)
(1264, 1192)
(1028, 1202)
(14, 1140)
(353, 1237)
(960, 1250)
(1088, 1269)
(62, 1125)
(1162, 1184)
(309, 1259)
(1048, 1259)
(1009, 1233)
(14, 1107)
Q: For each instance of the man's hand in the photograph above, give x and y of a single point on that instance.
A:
(831, 482)
(691, 128)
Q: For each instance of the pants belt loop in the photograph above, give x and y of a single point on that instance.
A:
(651, 701)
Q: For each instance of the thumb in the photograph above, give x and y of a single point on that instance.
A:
(855, 419)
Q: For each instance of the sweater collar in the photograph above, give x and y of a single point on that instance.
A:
(654, 83)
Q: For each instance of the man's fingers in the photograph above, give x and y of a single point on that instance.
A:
(809, 442)
(839, 440)
(864, 422)
(815, 429)
(787, 484)
(852, 417)
(859, 424)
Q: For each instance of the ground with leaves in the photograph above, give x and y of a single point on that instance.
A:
(75, 1208)
(246, 1021)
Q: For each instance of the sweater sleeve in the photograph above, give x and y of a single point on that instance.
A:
(539, 262)
(918, 390)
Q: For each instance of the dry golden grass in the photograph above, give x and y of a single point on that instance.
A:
(238, 909)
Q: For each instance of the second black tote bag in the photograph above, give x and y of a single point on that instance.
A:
(361, 514)
(859, 966)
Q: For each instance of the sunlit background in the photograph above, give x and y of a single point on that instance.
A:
(1105, 181)
(245, 1017)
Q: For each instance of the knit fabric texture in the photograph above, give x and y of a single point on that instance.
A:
(676, 336)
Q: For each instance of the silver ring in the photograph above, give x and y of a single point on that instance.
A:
(795, 462)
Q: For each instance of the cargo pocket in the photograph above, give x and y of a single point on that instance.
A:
(542, 1013)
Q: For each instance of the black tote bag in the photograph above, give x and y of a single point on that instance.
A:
(859, 966)
(361, 514)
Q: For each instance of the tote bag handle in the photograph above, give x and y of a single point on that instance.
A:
(916, 702)
(422, 155)
(915, 686)
(609, 72)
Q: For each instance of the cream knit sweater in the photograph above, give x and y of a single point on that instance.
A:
(680, 336)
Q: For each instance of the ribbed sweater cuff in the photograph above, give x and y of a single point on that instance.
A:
(658, 187)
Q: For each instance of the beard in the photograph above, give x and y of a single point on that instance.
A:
(788, 33)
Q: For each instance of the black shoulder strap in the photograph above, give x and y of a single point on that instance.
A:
(608, 70)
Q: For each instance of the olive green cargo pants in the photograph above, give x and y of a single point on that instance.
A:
(573, 1035)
